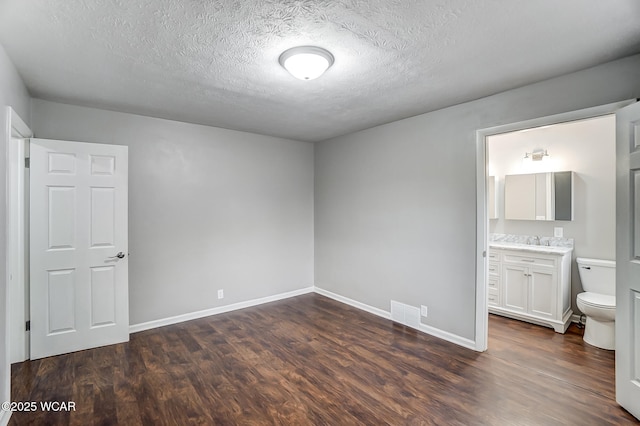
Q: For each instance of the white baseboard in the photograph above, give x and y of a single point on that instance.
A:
(436, 332)
(4, 417)
(354, 303)
(449, 337)
(135, 328)
(575, 318)
(444, 335)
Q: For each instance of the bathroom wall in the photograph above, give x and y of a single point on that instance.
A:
(395, 207)
(12, 93)
(586, 147)
(209, 208)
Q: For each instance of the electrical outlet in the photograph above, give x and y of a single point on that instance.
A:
(220, 294)
(558, 232)
(423, 310)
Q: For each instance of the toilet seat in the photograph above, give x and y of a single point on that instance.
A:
(596, 300)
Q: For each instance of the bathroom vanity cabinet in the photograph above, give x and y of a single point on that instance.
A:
(531, 283)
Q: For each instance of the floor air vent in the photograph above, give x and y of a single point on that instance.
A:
(405, 314)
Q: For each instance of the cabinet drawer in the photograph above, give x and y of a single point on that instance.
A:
(494, 268)
(530, 260)
(494, 297)
(493, 283)
(494, 255)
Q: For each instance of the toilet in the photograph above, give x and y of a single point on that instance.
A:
(598, 302)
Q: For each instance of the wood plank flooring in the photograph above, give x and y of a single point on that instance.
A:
(312, 361)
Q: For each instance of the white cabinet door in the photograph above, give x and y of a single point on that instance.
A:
(78, 246)
(519, 197)
(543, 297)
(515, 283)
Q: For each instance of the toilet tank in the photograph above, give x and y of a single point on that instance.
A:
(597, 276)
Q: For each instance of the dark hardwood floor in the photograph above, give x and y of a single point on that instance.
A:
(312, 361)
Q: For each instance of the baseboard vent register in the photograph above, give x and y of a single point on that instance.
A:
(405, 314)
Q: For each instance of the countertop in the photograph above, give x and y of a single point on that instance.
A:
(531, 248)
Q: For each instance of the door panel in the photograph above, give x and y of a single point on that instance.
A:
(516, 283)
(635, 315)
(628, 258)
(61, 306)
(79, 287)
(636, 213)
(62, 218)
(102, 217)
(103, 295)
(542, 293)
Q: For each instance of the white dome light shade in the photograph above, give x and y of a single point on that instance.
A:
(306, 62)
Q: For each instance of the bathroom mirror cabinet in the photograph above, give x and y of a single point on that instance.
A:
(539, 196)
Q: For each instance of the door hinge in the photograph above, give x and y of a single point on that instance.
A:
(27, 163)
(28, 325)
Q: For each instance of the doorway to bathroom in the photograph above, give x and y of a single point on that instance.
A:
(552, 195)
(625, 137)
(534, 153)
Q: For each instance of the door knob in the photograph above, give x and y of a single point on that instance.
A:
(120, 255)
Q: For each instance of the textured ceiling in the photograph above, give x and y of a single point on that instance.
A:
(216, 62)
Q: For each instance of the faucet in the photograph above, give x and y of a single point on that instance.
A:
(537, 240)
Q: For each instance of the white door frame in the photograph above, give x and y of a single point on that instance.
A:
(16, 265)
(16, 216)
(482, 178)
(15, 128)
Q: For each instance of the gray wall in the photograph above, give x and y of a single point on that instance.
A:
(586, 147)
(14, 94)
(209, 208)
(395, 207)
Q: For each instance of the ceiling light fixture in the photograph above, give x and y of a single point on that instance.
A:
(537, 155)
(306, 62)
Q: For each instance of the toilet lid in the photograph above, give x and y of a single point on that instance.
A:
(599, 300)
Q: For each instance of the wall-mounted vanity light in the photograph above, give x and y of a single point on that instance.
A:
(537, 155)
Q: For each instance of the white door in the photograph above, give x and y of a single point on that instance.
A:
(628, 259)
(78, 246)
